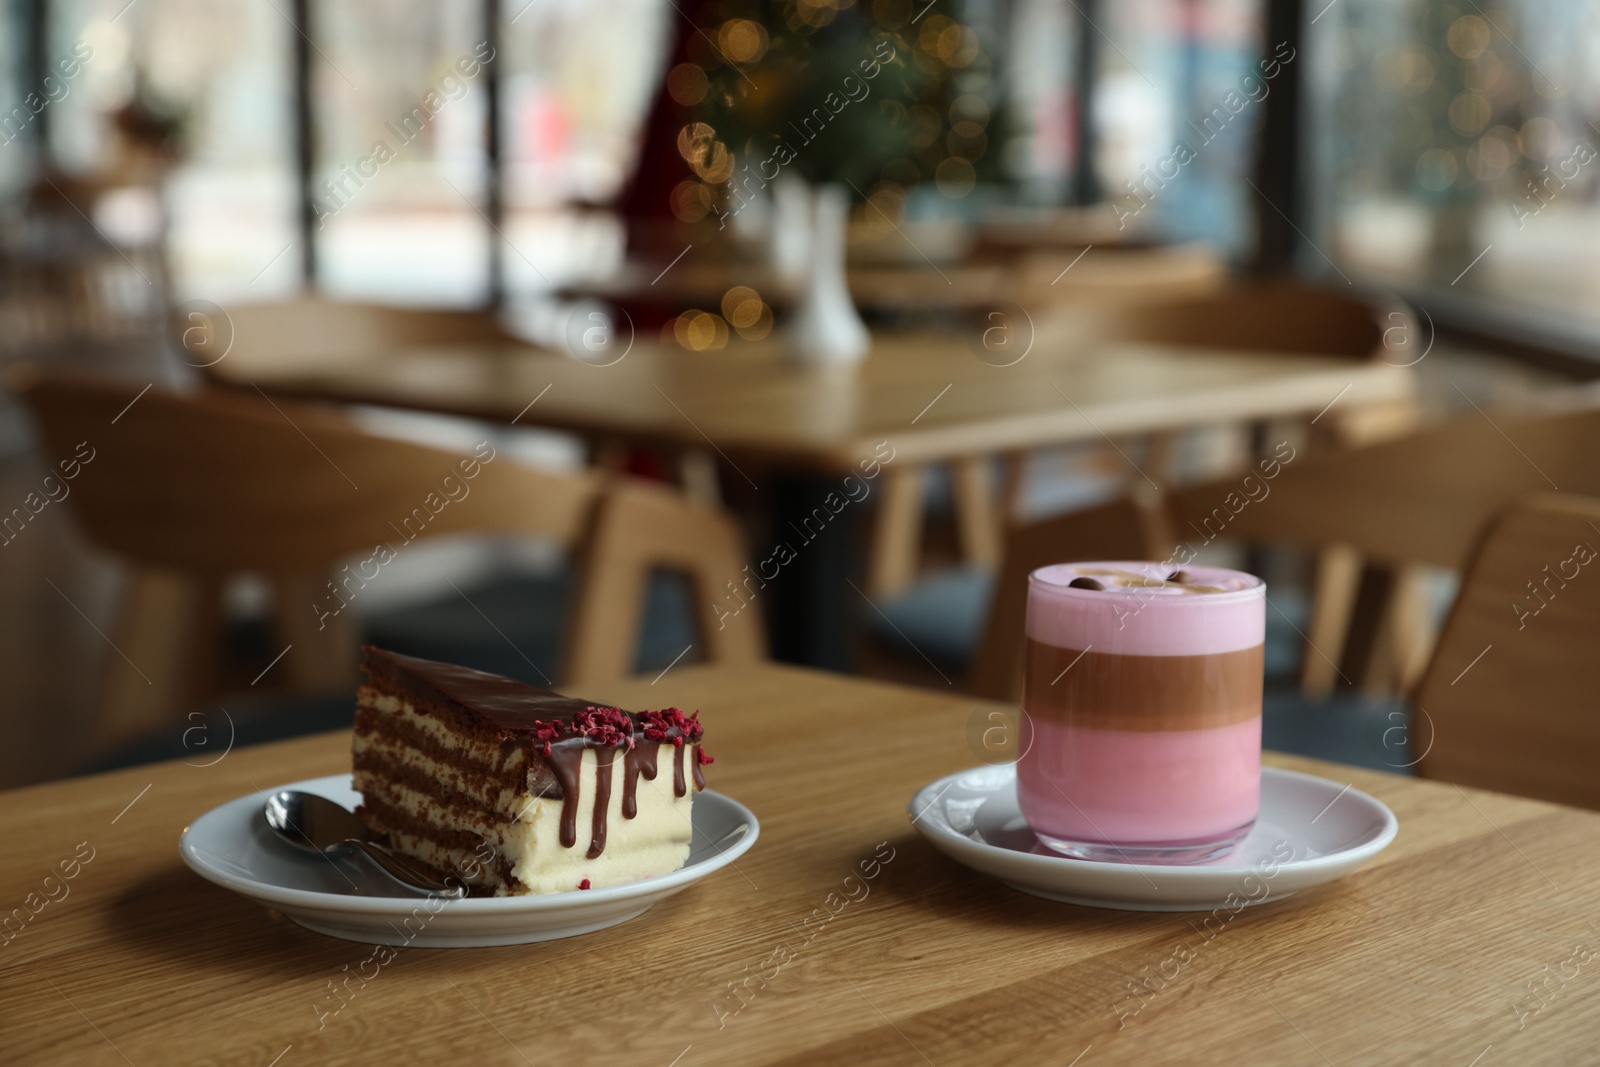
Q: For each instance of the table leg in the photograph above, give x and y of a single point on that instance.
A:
(1333, 601)
(167, 633)
(697, 472)
(1014, 489)
(812, 603)
(977, 515)
(1404, 636)
(326, 644)
(897, 530)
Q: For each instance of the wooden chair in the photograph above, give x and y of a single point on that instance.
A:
(1285, 317)
(1092, 276)
(189, 489)
(1266, 318)
(308, 329)
(1123, 529)
(1416, 501)
(1272, 318)
(1252, 317)
(1051, 293)
(1509, 699)
(1400, 506)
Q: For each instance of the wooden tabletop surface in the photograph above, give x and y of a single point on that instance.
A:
(1470, 940)
(885, 286)
(931, 396)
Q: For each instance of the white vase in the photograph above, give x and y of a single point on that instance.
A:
(790, 232)
(825, 328)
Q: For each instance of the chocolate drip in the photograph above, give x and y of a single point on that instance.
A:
(604, 760)
(565, 760)
(547, 727)
(639, 761)
(699, 773)
(679, 787)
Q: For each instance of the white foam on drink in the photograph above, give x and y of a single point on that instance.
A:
(1141, 610)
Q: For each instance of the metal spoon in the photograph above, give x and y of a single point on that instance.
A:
(317, 824)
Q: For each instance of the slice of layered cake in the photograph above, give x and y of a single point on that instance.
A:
(518, 789)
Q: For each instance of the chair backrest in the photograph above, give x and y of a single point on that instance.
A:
(217, 482)
(1122, 529)
(213, 483)
(1422, 498)
(1511, 699)
(1057, 285)
(1263, 317)
(310, 328)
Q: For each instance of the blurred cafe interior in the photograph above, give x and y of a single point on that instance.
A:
(573, 341)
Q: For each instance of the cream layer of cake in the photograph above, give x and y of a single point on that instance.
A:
(517, 789)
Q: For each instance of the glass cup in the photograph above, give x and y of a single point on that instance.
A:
(1141, 726)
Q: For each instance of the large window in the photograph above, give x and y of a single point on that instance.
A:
(1179, 97)
(401, 178)
(575, 93)
(17, 146)
(211, 79)
(1455, 153)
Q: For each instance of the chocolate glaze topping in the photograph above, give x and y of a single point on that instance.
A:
(556, 729)
(638, 762)
(604, 758)
(505, 702)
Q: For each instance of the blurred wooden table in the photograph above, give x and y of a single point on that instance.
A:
(794, 433)
(1471, 940)
(932, 398)
(873, 286)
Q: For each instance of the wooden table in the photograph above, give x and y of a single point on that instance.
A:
(931, 397)
(1425, 956)
(788, 436)
(873, 286)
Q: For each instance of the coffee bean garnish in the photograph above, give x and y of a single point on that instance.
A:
(1179, 576)
(1085, 583)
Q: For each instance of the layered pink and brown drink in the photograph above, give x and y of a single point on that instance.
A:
(1141, 735)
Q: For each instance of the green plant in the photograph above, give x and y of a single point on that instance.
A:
(880, 98)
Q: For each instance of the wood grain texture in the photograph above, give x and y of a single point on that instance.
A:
(1120, 529)
(1421, 498)
(929, 396)
(978, 522)
(1335, 581)
(1509, 700)
(1031, 272)
(875, 286)
(755, 407)
(897, 530)
(638, 528)
(1423, 957)
(1274, 316)
(1069, 279)
(307, 329)
(188, 488)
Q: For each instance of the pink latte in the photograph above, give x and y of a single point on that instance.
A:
(1141, 736)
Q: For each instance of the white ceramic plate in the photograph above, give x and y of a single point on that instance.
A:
(232, 846)
(1310, 831)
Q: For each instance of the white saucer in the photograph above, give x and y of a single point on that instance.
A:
(232, 846)
(1310, 831)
